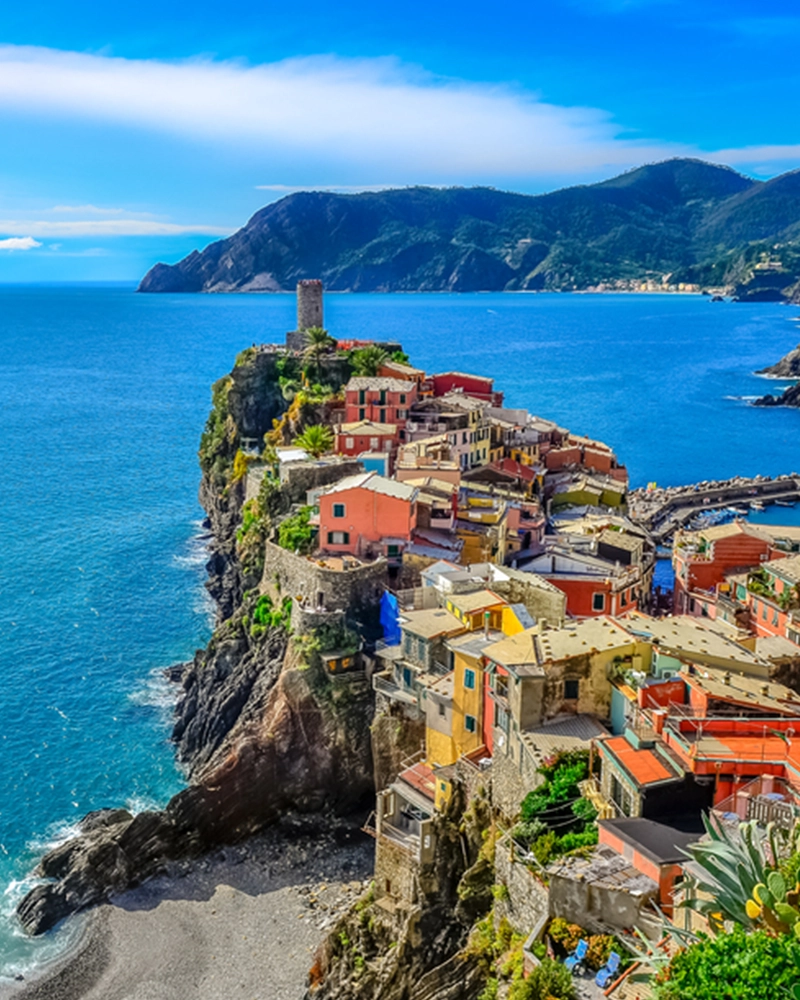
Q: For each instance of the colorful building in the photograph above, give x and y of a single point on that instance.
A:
(380, 400)
(367, 515)
(703, 559)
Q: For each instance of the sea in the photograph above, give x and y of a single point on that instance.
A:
(104, 395)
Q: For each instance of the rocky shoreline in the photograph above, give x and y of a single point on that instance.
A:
(787, 368)
(244, 920)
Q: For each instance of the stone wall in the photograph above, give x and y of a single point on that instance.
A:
(395, 871)
(528, 901)
(543, 602)
(508, 786)
(297, 478)
(357, 591)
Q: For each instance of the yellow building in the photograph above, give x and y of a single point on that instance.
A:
(454, 703)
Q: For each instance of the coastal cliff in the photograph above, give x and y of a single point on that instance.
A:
(260, 728)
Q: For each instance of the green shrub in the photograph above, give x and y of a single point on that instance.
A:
(490, 990)
(735, 966)
(565, 935)
(265, 615)
(295, 533)
(548, 981)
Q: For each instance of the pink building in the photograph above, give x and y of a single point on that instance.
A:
(368, 516)
(364, 435)
(380, 400)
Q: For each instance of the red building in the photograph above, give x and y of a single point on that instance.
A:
(702, 559)
(470, 385)
(380, 400)
(364, 435)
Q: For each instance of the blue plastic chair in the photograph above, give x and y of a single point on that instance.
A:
(573, 961)
(609, 970)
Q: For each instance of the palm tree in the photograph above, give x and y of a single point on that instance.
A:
(316, 440)
(318, 342)
(367, 360)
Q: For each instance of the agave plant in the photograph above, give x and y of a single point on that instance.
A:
(733, 872)
(316, 439)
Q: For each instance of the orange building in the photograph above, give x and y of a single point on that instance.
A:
(702, 559)
(367, 515)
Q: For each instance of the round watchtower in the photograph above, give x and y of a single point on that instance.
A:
(309, 303)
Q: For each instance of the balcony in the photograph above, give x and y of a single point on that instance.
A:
(765, 800)
(383, 684)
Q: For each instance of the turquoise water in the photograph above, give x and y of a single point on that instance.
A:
(101, 567)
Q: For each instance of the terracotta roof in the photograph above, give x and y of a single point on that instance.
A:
(420, 777)
(644, 766)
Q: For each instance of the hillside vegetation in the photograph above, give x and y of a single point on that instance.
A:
(678, 221)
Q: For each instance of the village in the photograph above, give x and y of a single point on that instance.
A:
(524, 654)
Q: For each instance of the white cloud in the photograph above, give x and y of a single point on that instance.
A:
(105, 227)
(374, 113)
(19, 243)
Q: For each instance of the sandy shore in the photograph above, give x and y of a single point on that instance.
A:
(243, 922)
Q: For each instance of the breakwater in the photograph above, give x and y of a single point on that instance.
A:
(663, 511)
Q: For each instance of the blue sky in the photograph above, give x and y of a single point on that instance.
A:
(134, 133)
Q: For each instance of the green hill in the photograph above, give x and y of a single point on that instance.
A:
(690, 220)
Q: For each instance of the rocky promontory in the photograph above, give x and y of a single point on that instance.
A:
(787, 367)
(261, 728)
(789, 397)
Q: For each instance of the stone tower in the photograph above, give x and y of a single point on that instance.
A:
(309, 312)
(309, 303)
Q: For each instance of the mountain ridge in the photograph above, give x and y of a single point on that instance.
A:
(681, 220)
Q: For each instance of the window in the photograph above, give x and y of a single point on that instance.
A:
(348, 442)
(469, 723)
(464, 438)
(402, 397)
(764, 612)
(407, 677)
(442, 709)
(338, 510)
(407, 644)
(469, 679)
(383, 397)
(598, 602)
(392, 550)
(402, 414)
(383, 416)
(361, 413)
(338, 538)
(571, 690)
(775, 617)
(362, 397)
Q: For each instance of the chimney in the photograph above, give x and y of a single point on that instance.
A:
(486, 617)
(727, 677)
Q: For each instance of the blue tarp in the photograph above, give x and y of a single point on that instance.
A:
(390, 618)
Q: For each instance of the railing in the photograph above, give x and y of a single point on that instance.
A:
(391, 690)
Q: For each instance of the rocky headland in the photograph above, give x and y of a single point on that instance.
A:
(788, 367)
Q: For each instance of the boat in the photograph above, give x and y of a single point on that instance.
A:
(756, 505)
(785, 503)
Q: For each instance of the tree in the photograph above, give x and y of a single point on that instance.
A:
(367, 360)
(319, 342)
(316, 440)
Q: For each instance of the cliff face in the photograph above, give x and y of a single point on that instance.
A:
(261, 728)
(692, 220)
(418, 953)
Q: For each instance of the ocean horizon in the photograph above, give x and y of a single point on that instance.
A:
(101, 575)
